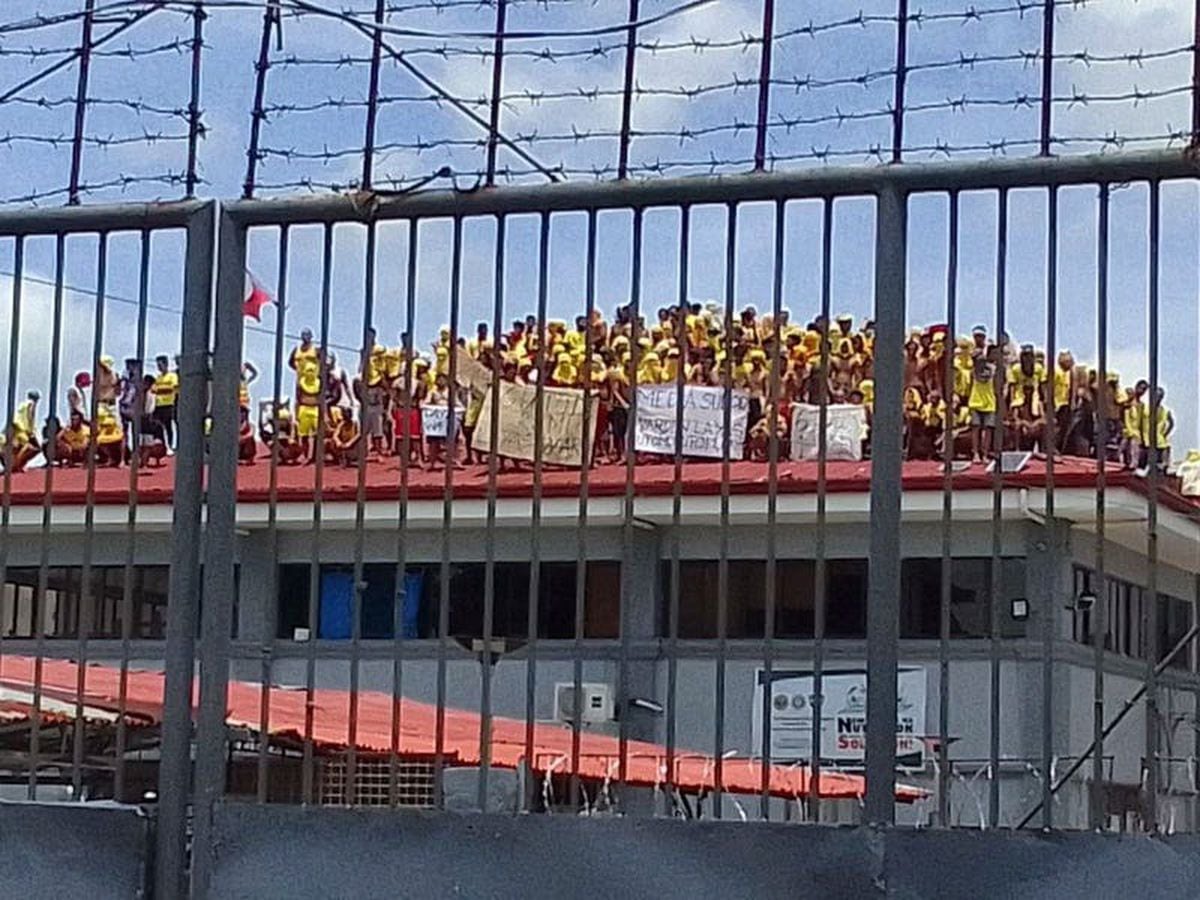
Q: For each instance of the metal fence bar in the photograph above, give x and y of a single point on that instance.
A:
(85, 63)
(883, 591)
(1196, 76)
(1100, 588)
(308, 765)
(628, 503)
(731, 237)
(995, 589)
(133, 440)
(675, 586)
(175, 765)
(443, 629)
(271, 626)
(542, 362)
(946, 573)
(991, 174)
(1150, 609)
(39, 598)
(399, 623)
(1050, 447)
(588, 444)
(773, 419)
(14, 347)
(84, 619)
(487, 661)
(820, 567)
(220, 547)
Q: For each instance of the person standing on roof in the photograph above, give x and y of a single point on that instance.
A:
(166, 397)
(982, 399)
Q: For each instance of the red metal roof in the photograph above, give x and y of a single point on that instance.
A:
(599, 756)
(382, 482)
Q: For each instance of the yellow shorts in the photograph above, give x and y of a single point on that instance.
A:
(307, 418)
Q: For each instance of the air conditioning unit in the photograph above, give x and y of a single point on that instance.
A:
(593, 706)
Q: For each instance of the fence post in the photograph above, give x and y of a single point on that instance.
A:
(883, 596)
(220, 544)
(174, 776)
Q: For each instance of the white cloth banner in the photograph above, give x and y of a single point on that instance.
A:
(845, 430)
(703, 421)
(843, 716)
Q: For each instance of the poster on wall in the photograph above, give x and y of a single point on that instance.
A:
(843, 716)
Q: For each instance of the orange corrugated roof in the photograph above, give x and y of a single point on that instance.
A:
(600, 756)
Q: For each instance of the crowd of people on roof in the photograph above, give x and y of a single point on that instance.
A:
(979, 393)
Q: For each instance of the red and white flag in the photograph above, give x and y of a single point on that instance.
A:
(257, 297)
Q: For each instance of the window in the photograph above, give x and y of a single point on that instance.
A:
(746, 598)
(846, 584)
(1125, 606)
(64, 606)
(417, 604)
(970, 593)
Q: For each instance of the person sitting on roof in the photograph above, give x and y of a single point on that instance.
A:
(73, 442)
(247, 444)
(110, 437)
(343, 443)
(20, 443)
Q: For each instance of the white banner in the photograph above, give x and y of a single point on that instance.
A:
(433, 421)
(843, 716)
(845, 430)
(703, 421)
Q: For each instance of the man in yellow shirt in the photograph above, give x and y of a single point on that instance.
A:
(1160, 423)
(982, 403)
(1133, 425)
(166, 397)
(73, 441)
(21, 440)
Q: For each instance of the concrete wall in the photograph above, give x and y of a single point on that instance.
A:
(269, 851)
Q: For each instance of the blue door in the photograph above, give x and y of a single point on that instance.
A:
(337, 601)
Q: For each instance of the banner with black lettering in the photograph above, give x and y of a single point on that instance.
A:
(562, 424)
(703, 420)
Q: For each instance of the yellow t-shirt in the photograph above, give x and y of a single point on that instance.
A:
(1160, 429)
(1135, 419)
(1020, 379)
(1062, 388)
(76, 440)
(983, 390)
(166, 389)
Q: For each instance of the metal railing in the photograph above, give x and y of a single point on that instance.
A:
(422, 259)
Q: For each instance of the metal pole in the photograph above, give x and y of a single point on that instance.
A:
(901, 80)
(883, 608)
(220, 547)
(1047, 122)
(174, 772)
(1196, 78)
(1150, 609)
(497, 87)
(368, 162)
(627, 98)
(1053, 558)
(85, 61)
(764, 88)
(194, 127)
(257, 116)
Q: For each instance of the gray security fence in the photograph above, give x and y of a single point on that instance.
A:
(365, 515)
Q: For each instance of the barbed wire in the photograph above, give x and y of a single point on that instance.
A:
(702, 120)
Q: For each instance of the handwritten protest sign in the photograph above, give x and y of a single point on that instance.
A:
(703, 421)
(562, 424)
(434, 420)
(470, 373)
(845, 430)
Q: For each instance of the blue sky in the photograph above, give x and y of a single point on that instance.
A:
(1101, 28)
